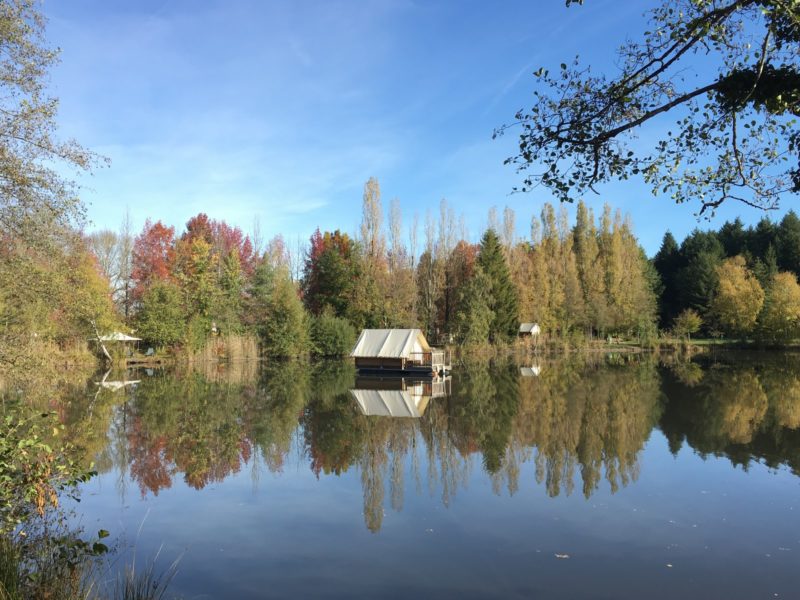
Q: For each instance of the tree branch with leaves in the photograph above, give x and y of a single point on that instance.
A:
(726, 69)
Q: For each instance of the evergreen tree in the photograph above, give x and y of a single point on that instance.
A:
(767, 267)
(284, 333)
(701, 254)
(733, 237)
(504, 297)
(788, 243)
(762, 237)
(474, 319)
(667, 263)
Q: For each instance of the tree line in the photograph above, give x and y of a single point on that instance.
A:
(586, 278)
(579, 278)
(737, 281)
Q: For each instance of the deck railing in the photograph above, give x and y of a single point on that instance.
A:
(436, 359)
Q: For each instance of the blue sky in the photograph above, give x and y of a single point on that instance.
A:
(282, 110)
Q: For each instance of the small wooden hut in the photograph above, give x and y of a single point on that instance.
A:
(529, 329)
(401, 351)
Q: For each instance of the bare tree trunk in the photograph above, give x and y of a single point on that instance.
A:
(100, 342)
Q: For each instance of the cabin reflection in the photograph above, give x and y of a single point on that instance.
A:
(532, 371)
(398, 397)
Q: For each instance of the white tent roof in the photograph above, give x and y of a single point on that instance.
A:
(118, 336)
(390, 403)
(388, 343)
(532, 371)
(529, 328)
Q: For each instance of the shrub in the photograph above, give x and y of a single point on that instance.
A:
(332, 335)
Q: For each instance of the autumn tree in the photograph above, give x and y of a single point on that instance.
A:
(738, 299)
(153, 253)
(689, 273)
(39, 206)
(373, 241)
(521, 269)
(687, 322)
(579, 130)
(429, 282)
(458, 272)
(591, 275)
(400, 286)
(195, 270)
(779, 320)
(430, 279)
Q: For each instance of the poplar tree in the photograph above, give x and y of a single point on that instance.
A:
(574, 309)
(587, 258)
(554, 300)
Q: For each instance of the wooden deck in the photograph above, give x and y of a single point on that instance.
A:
(423, 364)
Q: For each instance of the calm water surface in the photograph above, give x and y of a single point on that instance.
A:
(599, 478)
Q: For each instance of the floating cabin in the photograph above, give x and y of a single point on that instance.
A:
(397, 396)
(400, 352)
(532, 329)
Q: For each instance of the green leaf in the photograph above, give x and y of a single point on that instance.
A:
(99, 548)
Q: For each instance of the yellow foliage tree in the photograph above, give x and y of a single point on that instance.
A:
(780, 319)
(739, 297)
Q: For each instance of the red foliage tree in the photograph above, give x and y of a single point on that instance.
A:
(153, 253)
(199, 226)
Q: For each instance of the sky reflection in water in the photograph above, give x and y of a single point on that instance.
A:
(656, 480)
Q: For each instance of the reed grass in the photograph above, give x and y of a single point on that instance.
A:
(148, 584)
(230, 347)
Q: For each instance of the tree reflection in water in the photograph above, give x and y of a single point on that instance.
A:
(579, 419)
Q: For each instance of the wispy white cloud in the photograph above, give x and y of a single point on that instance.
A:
(283, 110)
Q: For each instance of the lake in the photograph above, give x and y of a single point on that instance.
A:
(602, 476)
